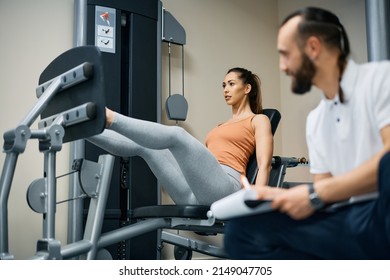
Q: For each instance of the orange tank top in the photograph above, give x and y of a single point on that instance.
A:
(233, 143)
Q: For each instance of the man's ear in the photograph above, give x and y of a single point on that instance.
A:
(313, 47)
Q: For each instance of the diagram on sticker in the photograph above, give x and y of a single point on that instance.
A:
(105, 17)
(105, 21)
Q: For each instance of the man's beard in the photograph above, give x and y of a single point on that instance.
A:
(303, 76)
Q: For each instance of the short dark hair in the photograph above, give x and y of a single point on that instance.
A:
(326, 26)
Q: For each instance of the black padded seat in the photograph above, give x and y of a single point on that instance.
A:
(170, 211)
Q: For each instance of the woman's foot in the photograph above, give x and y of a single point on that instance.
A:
(109, 117)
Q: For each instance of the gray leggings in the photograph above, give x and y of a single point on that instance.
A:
(185, 168)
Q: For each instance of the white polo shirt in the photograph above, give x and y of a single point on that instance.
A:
(341, 136)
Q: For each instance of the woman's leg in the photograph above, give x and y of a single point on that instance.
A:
(204, 175)
(161, 162)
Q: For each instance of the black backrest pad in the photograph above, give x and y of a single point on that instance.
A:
(252, 168)
(91, 90)
(274, 116)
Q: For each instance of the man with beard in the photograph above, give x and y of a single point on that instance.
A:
(348, 137)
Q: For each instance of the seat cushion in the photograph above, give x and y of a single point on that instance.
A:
(181, 211)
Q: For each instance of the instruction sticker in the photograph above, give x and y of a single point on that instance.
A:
(105, 20)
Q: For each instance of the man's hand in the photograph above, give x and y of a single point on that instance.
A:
(294, 201)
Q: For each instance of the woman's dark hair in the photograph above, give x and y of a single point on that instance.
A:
(326, 26)
(247, 77)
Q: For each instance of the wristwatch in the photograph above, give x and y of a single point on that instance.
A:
(315, 201)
